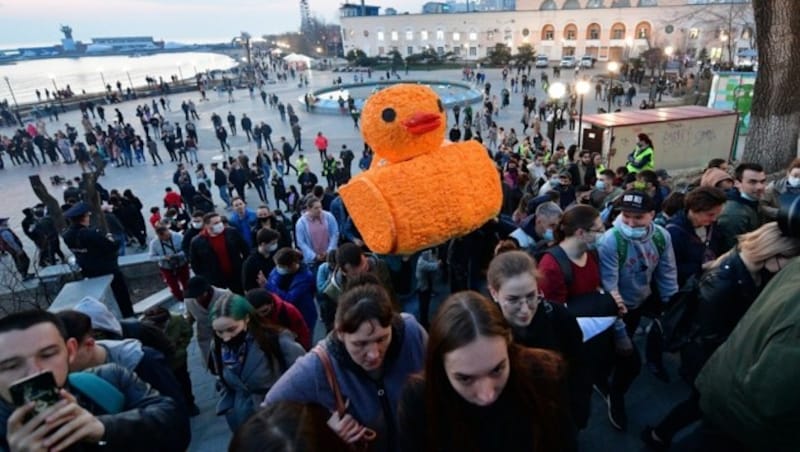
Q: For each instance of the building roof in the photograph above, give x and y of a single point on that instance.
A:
(632, 117)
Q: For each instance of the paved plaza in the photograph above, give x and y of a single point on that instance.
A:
(649, 398)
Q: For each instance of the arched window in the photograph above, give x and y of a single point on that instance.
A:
(593, 31)
(595, 4)
(618, 31)
(548, 33)
(648, 2)
(571, 4)
(570, 32)
(643, 30)
(548, 5)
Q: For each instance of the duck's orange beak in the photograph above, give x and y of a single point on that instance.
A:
(420, 123)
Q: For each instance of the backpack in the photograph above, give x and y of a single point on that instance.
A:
(594, 304)
(678, 320)
(622, 247)
(99, 391)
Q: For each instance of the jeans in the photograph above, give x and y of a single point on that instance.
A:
(223, 193)
(122, 242)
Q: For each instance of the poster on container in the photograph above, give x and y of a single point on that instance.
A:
(734, 91)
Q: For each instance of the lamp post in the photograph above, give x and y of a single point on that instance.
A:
(53, 79)
(102, 77)
(180, 73)
(556, 91)
(582, 87)
(130, 82)
(613, 67)
(10, 90)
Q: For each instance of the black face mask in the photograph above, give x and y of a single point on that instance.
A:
(238, 340)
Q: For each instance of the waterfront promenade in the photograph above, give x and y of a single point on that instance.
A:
(649, 398)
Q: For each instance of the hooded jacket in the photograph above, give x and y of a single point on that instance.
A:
(643, 265)
(690, 251)
(147, 422)
(372, 402)
(297, 288)
(748, 388)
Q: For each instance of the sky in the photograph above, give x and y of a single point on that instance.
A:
(37, 22)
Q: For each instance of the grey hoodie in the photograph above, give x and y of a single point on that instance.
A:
(127, 353)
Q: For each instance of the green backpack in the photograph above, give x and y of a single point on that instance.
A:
(622, 246)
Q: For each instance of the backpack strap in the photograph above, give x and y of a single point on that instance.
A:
(659, 240)
(99, 391)
(622, 247)
(563, 262)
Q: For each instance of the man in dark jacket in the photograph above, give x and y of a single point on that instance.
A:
(740, 214)
(221, 182)
(583, 172)
(247, 126)
(96, 254)
(217, 254)
(257, 266)
(145, 421)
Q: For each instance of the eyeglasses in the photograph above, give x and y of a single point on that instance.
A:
(531, 301)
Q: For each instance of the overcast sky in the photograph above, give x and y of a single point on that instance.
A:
(38, 21)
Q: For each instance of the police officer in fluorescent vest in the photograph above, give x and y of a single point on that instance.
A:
(643, 157)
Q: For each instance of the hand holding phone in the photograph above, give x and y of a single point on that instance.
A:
(40, 389)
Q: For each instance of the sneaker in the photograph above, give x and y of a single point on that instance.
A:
(658, 371)
(650, 438)
(616, 412)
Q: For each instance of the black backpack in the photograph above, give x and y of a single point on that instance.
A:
(678, 320)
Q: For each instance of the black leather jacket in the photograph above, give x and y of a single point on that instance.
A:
(147, 422)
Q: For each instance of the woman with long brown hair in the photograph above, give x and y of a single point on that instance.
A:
(482, 392)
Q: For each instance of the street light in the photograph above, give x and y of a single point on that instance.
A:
(102, 77)
(53, 79)
(13, 97)
(127, 72)
(582, 87)
(180, 72)
(613, 67)
(556, 91)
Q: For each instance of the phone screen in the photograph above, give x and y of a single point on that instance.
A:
(40, 388)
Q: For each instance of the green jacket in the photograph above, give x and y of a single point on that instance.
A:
(749, 386)
(739, 216)
(179, 332)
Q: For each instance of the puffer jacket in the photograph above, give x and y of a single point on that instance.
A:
(749, 386)
(147, 422)
(372, 402)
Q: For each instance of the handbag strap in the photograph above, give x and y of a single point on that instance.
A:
(327, 366)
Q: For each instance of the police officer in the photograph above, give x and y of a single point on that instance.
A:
(643, 156)
(96, 253)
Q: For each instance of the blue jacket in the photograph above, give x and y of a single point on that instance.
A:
(643, 265)
(303, 237)
(373, 403)
(690, 251)
(298, 289)
(244, 225)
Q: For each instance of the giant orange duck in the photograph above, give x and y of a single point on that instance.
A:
(420, 190)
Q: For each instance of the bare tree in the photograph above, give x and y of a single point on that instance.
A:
(775, 116)
(729, 22)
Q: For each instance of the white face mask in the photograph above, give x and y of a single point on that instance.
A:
(217, 228)
(793, 181)
(197, 224)
(272, 247)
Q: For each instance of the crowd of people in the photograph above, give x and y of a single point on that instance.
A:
(537, 309)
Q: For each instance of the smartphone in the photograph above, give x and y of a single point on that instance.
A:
(39, 388)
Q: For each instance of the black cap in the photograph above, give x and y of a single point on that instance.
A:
(635, 201)
(198, 285)
(78, 210)
(789, 217)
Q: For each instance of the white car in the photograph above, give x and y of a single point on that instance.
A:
(542, 61)
(568, 61)
(587, 61)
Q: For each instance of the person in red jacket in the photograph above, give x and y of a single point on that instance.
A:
(172, 199)
(270, 308)
(321, 142)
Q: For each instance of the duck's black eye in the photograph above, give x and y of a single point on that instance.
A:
(441, 107)
(388, 114)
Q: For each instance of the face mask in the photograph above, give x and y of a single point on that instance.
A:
(272, 247)
(555, 182)
(282, 270)
(548, 235)
(638, 185)
(197, 224)
(632, 233)
(794, 181)
(600, 185)
(238, 340)
(595, 244)
(217, 228)
(748, 197)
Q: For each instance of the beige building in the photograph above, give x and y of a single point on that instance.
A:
(608, 30)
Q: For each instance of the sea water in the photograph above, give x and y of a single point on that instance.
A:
(87, 73)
